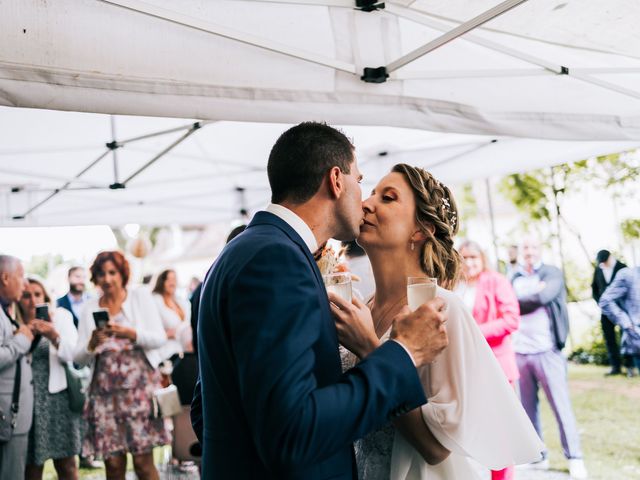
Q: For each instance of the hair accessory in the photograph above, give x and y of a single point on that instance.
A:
(449, 215)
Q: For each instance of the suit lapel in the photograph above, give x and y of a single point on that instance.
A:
(266, 218)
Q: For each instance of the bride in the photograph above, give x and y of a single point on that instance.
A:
(472, 412)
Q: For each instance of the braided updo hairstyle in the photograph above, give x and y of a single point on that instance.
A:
(435, 206)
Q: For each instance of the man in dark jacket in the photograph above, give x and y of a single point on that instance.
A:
(544, 326)
(607, 266)
(74, 300)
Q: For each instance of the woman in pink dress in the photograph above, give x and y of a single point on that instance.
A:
(493, 303)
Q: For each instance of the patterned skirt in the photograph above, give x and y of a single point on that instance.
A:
(119, 410)
(55, 431)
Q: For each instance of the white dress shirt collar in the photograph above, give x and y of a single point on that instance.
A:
(295, 222)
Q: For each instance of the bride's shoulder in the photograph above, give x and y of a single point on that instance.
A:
(456, 308)
(448, 296)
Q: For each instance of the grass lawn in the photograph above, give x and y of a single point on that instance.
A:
(608, 413)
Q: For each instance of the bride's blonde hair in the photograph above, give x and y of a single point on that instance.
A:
(435, 206)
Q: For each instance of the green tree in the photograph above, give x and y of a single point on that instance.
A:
(42, 265)
(631, 229)
(538, 196)
(467, 207)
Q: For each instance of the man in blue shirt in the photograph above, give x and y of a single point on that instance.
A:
(75, 298)
(544, 326)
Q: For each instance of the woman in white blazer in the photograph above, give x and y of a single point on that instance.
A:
(175, 314)
(123, 356)
(55, 431)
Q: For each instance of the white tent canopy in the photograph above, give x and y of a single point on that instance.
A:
(55, 168)
(554, 69)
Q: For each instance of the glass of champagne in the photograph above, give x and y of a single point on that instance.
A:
(339, 283)
(420, 290)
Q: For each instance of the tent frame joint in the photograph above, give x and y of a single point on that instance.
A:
(564, 70)
(369, 5)
(113, 145)
(375, 75)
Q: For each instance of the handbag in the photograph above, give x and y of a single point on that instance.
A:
(8, 419)
(166, 402)
(77, 382)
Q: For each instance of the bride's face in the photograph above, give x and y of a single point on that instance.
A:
(389, 214)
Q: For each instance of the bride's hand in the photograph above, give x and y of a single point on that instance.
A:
(354, 325)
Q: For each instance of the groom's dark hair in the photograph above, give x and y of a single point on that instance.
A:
(302, 156)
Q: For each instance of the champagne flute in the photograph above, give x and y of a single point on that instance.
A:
(420, 290)
(340, 284)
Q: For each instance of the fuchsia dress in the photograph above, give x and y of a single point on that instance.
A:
(497, 313)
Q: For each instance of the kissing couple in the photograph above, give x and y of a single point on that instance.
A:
(423, 393)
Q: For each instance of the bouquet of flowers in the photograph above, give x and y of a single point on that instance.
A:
(329, 262)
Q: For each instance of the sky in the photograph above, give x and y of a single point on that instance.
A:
(73, 243)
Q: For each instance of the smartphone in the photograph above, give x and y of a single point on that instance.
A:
(42, 312)
(101, 318)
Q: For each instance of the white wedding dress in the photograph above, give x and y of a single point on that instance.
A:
(472, 411)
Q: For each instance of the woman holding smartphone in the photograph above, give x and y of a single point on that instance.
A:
(55, 431)
(124, 358)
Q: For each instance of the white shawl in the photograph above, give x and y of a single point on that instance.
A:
(472, 409)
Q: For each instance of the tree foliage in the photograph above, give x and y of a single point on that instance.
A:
(42, 265)
(631, 229)
(529, 192)
(467, 207)
(535, 194)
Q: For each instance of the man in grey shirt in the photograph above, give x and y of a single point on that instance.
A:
(544, 326)
(15, 342)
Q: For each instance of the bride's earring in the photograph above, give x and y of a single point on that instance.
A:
(413, 246)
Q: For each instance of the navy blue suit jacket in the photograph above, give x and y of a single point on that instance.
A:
(66, 304)
(275, 401)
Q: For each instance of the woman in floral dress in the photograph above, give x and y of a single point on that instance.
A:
(124, 360)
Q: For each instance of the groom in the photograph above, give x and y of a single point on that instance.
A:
(275, 402)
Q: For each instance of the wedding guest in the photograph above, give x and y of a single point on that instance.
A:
(175, 314)
(124, 359)
(193, 284)
(76, 297)
(512, 266)
(74, 301)
(607, 267)
(621, 303)
(15, 342)
(493, 303)
(55, 432)
(544, 326)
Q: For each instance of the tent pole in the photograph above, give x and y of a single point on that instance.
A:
(64, 187)
(424, 19)
(455, 33)
(115, 149)
(460, 155)
(193, 128)
(237, 35)
(163, 132)
(494, 237)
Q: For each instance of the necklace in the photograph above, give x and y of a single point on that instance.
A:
(385, 315)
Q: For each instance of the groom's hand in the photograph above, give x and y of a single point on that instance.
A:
(422, 332)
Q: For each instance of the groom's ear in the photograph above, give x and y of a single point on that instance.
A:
(335, 182)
